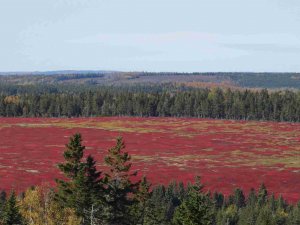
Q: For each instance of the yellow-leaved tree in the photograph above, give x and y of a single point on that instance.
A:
(38, 207)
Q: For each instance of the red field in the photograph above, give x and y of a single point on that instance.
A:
(226, 154)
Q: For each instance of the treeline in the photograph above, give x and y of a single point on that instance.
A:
(118, 101)
(33, 89)
(87, 196)
(242, 80)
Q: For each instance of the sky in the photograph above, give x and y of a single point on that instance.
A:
(150, 35)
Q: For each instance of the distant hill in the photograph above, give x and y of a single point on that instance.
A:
(55, 72)
(196, 80)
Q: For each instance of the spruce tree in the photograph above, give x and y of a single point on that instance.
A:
(239, 198)
(3, 197)
(218, 199)
(119, 187)
(265, 216)
(294, 216)
(228, 215)
(82, 188)
(262, 196)
(11, 213)
(252, 198)
(196, 209)
(141, 198)
(157, 207)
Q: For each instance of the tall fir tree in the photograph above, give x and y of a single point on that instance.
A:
(82, 189)
(119, 187)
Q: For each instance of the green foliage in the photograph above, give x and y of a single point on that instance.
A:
(294, 216)
(3, 199)
(75, 101)
(11, 213)
(73, 156)
(262, 195)
(83, 185)
(196, 208)
(139, 206)
(218, 200)
(228, 215)
(265, 217)
(119, 188)
(157, 207)
(239, 198)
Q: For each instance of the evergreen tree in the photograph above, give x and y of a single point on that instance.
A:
(218, 200)
(265, 217)
(3, 197)
(196, 209)
(262, 196)
(228, 215)
(252, 198)
(239, 198)
(157, 207)
(119, 187)
(138, 209)
(11, 213)
(82, 190)
(248, 215)
(294, 216)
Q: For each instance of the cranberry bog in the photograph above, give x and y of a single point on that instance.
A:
(226, 154)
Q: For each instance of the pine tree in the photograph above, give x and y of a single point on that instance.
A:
(11, 212)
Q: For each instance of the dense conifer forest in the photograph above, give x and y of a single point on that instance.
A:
(148, 100)
(115, 196)
(109, 78)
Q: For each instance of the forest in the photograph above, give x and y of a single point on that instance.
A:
(115, 78)
(117, 195)
(149, 101)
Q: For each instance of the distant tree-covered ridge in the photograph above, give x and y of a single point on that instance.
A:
(108, 78)
(154, 101)
(87, 196)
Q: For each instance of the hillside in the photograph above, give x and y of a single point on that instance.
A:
(196, 80)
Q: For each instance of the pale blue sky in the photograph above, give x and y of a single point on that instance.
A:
(150, 35)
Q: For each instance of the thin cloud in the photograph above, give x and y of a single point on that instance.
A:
(142, 38)
(265, 47)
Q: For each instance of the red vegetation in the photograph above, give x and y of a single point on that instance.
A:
(227, 154)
